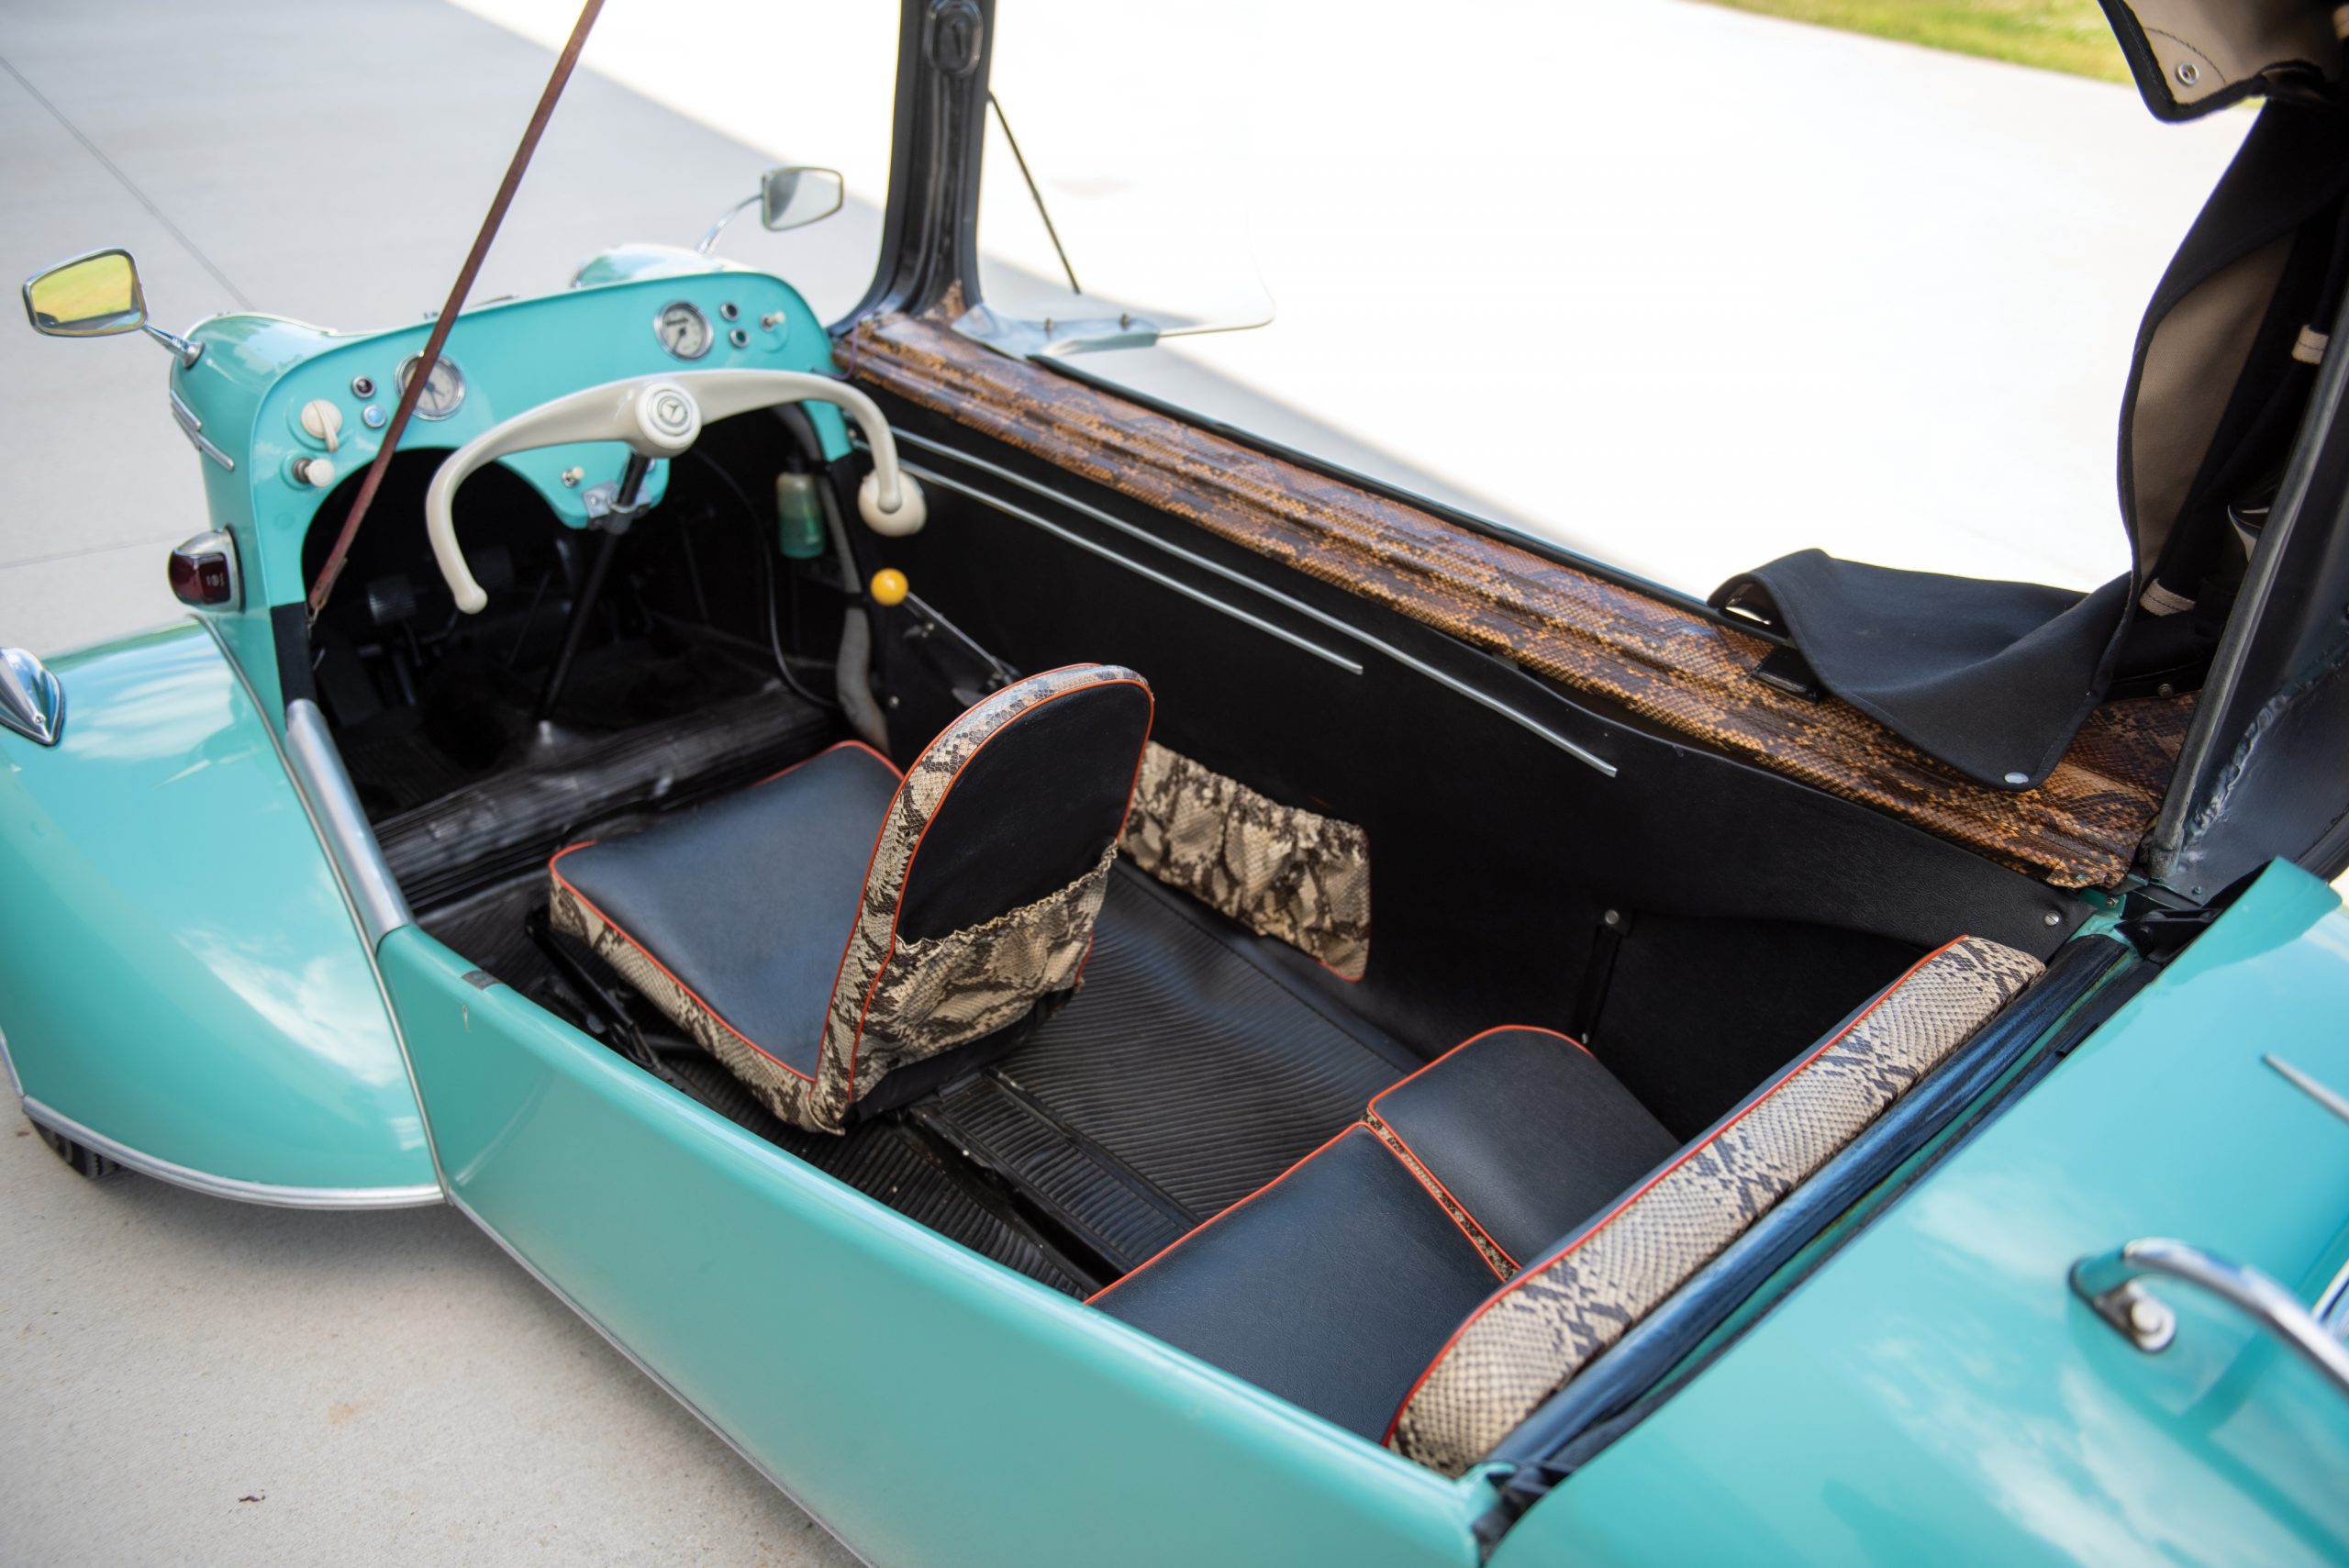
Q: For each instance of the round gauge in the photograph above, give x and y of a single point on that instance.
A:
(682, 329)
(444, 389)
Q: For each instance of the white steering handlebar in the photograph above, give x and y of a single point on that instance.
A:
(661, 415)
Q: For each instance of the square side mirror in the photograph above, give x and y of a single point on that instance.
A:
(94, 295)
(793, 197)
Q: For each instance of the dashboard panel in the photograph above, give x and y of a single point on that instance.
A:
(306, 386)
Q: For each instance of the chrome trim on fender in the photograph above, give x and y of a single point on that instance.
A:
(193, 429)
(662, 1384)
(311, 809)
(231, 1187)
(317, 769)
(32, 703)
(2108, 1283)
(1571, 748)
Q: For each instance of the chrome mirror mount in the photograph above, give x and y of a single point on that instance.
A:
(32, 704)
(98, 295)
(790, 196)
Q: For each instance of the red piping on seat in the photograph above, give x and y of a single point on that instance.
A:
(1268, 1187)
(1425, 1175)
(838, 746)
(1480, 1034)
(663, 968)
(1533, 1270)
(1418, 1162)
(698, 999)
(865, 1006)
(1222, 1212)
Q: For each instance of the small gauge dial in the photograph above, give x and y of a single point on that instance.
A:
(682, 329)
(444, 389)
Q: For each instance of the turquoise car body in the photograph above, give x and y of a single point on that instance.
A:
(197, 984)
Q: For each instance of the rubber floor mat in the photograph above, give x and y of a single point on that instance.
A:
(890, 1161)
(1194, 1062)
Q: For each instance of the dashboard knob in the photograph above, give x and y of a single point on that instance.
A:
(316, 472)
(889, 587)
(913, 508)
(322, 422)
(667, 418)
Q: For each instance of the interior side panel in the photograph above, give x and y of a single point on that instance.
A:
(1497, 853)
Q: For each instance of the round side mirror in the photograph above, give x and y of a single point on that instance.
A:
(795, 198)
(94, 295)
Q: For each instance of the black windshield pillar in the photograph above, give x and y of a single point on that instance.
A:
(929, 231)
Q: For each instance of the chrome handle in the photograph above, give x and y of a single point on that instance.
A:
(2110, 1283)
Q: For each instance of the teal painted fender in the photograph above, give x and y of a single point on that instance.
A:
(1937, 1393)
(181, 978)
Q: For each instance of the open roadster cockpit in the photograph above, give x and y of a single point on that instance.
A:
(793, 782)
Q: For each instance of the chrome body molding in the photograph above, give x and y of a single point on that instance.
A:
(317, 770)
(31, 702)
(233, 1188)
(1574, 749)
(193, 429)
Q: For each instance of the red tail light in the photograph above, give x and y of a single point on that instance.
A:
(204, 571)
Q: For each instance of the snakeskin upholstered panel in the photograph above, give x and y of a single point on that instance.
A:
(1660, 660)
(1538, 1331)
(872, 1026)
(1279, 870)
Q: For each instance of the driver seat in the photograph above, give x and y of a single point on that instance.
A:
(965, 889)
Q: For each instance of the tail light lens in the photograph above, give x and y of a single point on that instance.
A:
(204, 571)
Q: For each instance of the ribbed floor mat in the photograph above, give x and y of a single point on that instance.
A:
(1198, 1068)
(888, 1161)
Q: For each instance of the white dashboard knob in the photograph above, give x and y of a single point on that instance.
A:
(316, 472)
(913, 507)
(322, 422)
(667, 418)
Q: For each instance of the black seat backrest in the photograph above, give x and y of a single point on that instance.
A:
(986, 875)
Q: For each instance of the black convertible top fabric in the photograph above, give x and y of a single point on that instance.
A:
(1995, 678)
(1992, 678)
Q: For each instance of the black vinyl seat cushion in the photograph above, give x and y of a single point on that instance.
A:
(759, 953)
(1331, 1286)
(1524, 1131)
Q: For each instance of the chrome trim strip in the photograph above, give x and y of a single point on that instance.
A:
(2108, 1283)
(2332, 1099)
(659, 1382)
(349, 900)
(16, 1084)
(193, 429)
(1572, 748)
(317, 769)
(232, 1187)
(931, 476)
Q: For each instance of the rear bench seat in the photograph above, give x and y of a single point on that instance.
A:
(1407, 1279)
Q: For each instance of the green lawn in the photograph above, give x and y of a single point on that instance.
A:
(2055, 35)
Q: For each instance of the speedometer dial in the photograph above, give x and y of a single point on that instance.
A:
(444, 389)
(682, 329)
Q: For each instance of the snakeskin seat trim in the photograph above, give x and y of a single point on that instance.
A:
(870, 1004)
(950, 990)
(1281, 871)
(1532, 1336)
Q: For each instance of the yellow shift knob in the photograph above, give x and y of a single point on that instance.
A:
(889, 587)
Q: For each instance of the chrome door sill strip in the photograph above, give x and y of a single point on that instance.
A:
(236, 1189)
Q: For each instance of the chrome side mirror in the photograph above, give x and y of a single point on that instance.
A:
(793, 197)
(96, 295)
(790, 197)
